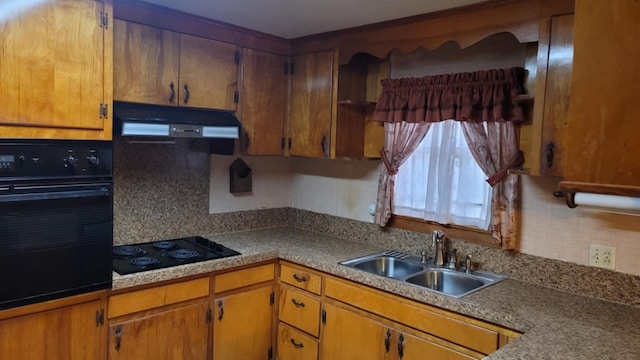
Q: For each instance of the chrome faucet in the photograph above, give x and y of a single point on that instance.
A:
(467, 264)
(437, 241)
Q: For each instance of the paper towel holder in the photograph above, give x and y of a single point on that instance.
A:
(570, 197)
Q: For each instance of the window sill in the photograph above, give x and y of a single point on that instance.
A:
(453, 231)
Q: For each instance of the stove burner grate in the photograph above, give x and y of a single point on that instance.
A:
(127, 251)
(182, 254)
(164, 245)
(144, 261)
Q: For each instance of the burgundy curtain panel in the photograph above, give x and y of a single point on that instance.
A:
(483, 101)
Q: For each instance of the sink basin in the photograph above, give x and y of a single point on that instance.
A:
(446, 281)
(409, 269)
(389, 267)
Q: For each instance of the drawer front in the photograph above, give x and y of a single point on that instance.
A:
(295, 345)
(300, 278)
(413, 315)
(245, 277)
(300, 310)
(140, 300)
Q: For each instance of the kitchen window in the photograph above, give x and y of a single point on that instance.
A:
(441, 181)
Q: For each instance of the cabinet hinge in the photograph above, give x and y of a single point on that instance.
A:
(289, 143)
(237, 57)
(291, 68)
(270, 353)
(286, 68)
(104, 111)
(99, 317)
(324, 317)
(282, 143)
(236, 97)
(208, 316)
(272, 298)
(104, 20)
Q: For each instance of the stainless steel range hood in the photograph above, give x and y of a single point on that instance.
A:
(156, 121)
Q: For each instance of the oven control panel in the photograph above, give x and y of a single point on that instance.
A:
(55, 159)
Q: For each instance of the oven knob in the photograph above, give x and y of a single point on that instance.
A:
(93, 160)
(70, 161)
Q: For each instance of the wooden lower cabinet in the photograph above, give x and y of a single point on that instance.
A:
(243, 325)
(69, 332)
(350, 335)
(180, 333)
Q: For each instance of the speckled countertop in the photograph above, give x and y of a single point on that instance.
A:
(556, 324)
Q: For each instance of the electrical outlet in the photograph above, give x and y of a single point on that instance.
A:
(602, 256)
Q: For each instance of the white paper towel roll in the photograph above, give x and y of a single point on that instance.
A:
(609, 203)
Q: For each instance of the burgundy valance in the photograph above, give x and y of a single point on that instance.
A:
(471, 96)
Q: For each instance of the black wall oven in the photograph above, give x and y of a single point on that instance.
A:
(56, 219)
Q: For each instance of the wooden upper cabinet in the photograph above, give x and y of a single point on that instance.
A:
(146, 61)
(312, 105)
(208, 73)
(55, 71)
(545, 155)
(262, 102)
(162, 67)
(602, 152)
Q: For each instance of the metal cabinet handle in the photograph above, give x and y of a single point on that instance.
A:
(118, 333)
(297, 303)
(246, 141)
(550, 155)
(221, 310)
(401, 346)
(299, 278)
(324, 146)
(387, 340)
(173, 92)
(296, 344)
(186, 93)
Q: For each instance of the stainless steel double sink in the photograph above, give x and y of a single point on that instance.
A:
(409, 268)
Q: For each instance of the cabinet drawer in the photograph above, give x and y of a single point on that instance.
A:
(241, 278)
(140, 300)
(295, 345)
(414, 315)
(300, 278)
(300, 310)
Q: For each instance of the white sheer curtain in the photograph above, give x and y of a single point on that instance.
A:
(441, 181)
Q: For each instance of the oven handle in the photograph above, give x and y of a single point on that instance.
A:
(54, 195)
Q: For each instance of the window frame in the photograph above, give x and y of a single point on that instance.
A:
(468, 234)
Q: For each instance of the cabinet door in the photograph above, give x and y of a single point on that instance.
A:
(347, 335)
(66, 333)
(262, 102)
(175, 334)
(409, 347)
(311, 104)
(145, 60)
(208, 73)
(52, 72)
(243, 325)
(603, 128)
(554, 85)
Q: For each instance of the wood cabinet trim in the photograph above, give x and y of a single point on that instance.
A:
(301, 277)
(242, 278)
(158, 296)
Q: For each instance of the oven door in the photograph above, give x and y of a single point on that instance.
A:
(55, 241)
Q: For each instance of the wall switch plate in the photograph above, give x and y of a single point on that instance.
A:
(602, 256)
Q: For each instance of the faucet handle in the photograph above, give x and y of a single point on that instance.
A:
(467, 264)
(453, 259)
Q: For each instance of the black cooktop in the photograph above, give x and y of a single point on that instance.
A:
(128, 259)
